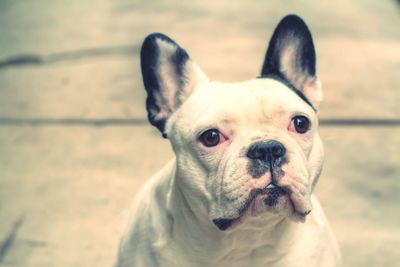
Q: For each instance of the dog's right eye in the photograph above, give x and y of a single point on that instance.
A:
(210, 138)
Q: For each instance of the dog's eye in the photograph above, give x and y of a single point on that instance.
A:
(300, 124)
(210, 138)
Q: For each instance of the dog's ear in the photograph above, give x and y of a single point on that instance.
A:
(169, 76)
(291, 56)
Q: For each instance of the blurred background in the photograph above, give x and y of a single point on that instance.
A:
(75, 145)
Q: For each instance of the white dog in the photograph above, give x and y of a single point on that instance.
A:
(248, 156)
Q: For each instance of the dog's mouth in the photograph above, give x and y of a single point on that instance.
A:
(273, 193)
(259, 201)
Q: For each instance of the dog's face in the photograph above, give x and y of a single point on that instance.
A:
(242, 149)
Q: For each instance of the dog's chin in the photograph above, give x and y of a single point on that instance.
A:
(261, 205)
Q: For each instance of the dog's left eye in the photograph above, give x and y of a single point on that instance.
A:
(300, 124)
(210, 138)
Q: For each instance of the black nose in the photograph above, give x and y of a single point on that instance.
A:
(270, 152)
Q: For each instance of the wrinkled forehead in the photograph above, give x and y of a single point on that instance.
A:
(254, 100)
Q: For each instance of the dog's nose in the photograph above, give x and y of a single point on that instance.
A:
(269, 151)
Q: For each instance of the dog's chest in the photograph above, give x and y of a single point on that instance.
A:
(239, 250)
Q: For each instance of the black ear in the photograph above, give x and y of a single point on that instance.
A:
(291, 56)
(169, 76)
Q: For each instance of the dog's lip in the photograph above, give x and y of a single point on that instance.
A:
(224, 224)
(271, 186)
(274, 192)
(271, 190)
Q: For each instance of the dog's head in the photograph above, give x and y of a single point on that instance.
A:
(246, 148)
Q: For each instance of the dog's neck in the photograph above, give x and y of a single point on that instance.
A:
(194, 233)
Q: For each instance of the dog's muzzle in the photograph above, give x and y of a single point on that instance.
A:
(272, 193)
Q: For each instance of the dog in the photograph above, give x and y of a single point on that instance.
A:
(247, 159)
